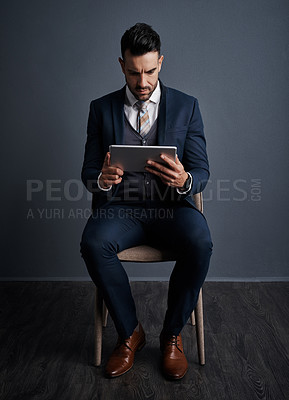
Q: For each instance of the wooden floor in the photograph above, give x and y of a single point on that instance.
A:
(46, 344)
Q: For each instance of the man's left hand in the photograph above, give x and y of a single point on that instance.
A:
(172, 175)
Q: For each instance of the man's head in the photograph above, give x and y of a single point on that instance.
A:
(141, 61)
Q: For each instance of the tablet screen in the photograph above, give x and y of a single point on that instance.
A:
(134, 158)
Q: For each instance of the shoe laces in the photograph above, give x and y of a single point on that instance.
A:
(121, 342)
(174, 341)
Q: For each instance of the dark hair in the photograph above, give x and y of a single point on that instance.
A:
(140, 39)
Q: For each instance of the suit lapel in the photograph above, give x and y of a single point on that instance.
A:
(118, 116)
(162, 117)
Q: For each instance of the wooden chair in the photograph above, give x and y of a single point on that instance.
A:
(148, 254)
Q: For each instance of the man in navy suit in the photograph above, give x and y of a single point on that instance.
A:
(155, 207)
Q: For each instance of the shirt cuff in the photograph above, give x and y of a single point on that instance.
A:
(180, 191)
(101, 188)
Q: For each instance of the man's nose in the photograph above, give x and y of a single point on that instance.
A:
(142, 80)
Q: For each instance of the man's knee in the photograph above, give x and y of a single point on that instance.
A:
(94, 246)
(200, 242)
(205, 244)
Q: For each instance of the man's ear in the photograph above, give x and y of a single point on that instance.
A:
(121, 64)
(161, 58)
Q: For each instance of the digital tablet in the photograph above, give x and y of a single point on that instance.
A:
(134, 158)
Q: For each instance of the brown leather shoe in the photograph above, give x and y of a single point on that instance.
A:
(122, 358)
(174, 362)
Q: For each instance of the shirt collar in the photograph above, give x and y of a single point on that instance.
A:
(155, 97)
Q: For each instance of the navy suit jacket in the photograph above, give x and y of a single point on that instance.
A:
(179, 124)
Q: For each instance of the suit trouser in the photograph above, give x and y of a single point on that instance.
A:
(116, 227)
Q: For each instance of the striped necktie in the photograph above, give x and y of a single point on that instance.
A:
(143, 120)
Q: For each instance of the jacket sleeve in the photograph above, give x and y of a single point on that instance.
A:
(195, 158)
(93, 156)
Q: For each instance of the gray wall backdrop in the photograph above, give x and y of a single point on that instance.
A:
(58, 55)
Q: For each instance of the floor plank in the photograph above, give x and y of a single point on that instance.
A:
(46, 344)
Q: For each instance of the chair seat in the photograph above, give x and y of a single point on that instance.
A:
(145, 253)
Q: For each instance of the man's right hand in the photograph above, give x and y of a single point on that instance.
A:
(110, 175)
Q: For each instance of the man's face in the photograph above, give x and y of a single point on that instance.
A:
(141, 73)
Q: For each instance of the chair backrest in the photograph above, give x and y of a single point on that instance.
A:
(198, 199)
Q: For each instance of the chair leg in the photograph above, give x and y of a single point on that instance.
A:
(98, 326)
(104, 315)
(200, 329)
(193, 319)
